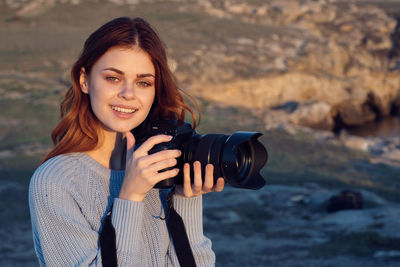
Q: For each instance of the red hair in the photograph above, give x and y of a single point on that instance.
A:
(78, 130)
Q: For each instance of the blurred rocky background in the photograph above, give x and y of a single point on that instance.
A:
(319, 78)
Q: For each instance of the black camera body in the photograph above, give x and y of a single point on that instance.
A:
(238, 157)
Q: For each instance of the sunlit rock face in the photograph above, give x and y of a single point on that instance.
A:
(332, 52)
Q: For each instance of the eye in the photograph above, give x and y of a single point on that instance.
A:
(144, 84)
(112, 79)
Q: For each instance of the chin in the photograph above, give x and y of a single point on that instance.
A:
(125, 128)
(122, 126)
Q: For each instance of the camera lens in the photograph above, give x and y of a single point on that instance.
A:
(243, 160)
(243, 157)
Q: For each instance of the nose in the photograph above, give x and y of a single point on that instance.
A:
(127, 91)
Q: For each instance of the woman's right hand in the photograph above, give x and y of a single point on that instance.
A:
(142, 169)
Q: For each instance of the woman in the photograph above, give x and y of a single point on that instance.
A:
(120, 82)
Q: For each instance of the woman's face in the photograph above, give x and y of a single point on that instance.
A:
(121, 88)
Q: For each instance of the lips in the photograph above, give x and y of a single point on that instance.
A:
(125, 110)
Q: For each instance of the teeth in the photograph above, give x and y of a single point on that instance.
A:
(123, 110)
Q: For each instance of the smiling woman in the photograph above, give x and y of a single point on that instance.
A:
(94, 176)
(120, 97)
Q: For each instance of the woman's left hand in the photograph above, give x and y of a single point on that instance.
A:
(198, 187)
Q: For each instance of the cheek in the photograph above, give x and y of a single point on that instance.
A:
(98, 97)
(100, 91)
(149, 98)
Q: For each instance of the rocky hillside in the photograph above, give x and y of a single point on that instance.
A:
(315, 63)
(322, 64)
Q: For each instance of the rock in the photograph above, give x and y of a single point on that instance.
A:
(15, 95)
(289, 106)
(355, 142)
(117, 2)
(298, 199)
(379, 104)
(244, 41)
(14, 4)
(396, 105)
(238, 8)
(354, 112)
(4, 154)
(172, 64)
(387, 254)
(347, 221)
(274, 118)
(345, 200)
(393, 155)
(132, 2)
(325, 51)
(314, 115)
(35, 8)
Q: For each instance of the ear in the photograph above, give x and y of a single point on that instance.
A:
(83, 81)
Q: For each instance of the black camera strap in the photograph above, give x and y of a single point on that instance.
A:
(175, 226)
(177, 229)
(108, 244)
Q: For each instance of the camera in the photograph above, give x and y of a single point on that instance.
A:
(238, 157)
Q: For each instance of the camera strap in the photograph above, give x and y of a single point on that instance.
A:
(175, 226)
(179, 236)
(108, 244)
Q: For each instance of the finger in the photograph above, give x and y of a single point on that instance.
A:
(164, 175)
(161, 165)
(197, 183)
(219, 185)
(162, 155)
(187, 186)
(152, 141)
(130, 144)
(208, 178)
(130, 141)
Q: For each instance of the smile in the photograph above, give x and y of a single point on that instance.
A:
(124, 110)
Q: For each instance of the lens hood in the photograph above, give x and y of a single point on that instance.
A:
(242, 159)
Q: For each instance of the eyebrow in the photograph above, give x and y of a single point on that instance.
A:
(144, 75)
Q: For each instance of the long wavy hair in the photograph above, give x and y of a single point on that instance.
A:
(78, 130)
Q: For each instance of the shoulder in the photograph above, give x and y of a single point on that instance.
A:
(56, 174)
(58, 169)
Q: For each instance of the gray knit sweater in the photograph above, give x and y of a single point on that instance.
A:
(69, 196)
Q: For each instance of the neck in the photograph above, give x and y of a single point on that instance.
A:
(110, 152)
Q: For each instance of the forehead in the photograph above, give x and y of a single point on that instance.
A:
(130, 60)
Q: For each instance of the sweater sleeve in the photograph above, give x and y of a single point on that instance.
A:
(62, 235)
(127, 230)
(191, 211)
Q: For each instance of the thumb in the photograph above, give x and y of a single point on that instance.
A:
(130, 143)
